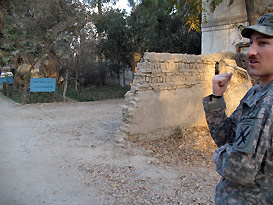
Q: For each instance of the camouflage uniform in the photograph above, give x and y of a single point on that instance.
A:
(244, 158)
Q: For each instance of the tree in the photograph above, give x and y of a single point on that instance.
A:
(33, 28)
(99, 5)
(126, 38)
(254, 9)
(116, 44)
(151, 22)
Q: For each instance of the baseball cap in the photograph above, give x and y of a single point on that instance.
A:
(264, 26)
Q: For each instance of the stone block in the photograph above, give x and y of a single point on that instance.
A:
(124, 129)
(134, 88)
(133, 103)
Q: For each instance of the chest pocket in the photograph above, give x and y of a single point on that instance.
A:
(248, 131)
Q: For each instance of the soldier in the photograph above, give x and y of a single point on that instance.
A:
(244, 157)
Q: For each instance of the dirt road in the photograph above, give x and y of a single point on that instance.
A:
(65, 153)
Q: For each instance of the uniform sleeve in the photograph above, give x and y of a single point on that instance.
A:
(241, 161)
(220, 126)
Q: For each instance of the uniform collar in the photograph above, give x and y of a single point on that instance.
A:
(257, 93)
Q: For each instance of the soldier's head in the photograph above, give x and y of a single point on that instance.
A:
(260, 51)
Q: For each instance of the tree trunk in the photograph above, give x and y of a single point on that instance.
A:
(65, 85)
(256, 8)
(100, 13)
(24, 97)
(76, 80)
(4, 89)
(8, 86)
(123, 74)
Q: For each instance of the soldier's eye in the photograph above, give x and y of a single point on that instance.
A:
(262, 43)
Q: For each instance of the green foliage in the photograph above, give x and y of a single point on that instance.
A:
(35, 29)
(179, 132)
(115, 43)
(156, 30)
(31, 27)
(214, 3)
(99, 3)
(192, 10)
(148, 28)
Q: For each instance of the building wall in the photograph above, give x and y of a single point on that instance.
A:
(221, 31)
(124, 79)
(168, 93)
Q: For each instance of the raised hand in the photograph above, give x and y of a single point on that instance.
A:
(220, 83)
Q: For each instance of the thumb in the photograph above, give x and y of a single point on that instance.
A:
(229, 76)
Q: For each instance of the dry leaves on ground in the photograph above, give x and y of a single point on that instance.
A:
(189, 152)
(193, 146)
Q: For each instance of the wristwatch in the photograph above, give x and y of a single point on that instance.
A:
(215, 96)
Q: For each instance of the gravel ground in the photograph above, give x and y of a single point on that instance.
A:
(188, 154)
(66, 153)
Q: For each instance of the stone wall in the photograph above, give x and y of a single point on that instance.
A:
(168, 90)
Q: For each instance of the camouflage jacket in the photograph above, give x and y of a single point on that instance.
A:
(244, 158)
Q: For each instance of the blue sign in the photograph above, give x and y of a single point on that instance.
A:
(42, 84)
(4, 80)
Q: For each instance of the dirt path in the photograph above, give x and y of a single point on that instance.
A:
(65, 153)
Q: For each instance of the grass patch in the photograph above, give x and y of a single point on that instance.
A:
(95, 93)
(89, 93)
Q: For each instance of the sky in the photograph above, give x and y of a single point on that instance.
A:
(123, 4)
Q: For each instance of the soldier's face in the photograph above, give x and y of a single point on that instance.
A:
(260, 56)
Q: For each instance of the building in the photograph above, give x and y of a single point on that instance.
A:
(221, 30)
